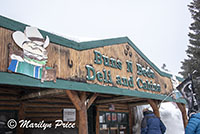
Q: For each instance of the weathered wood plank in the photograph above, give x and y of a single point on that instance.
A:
(8, 98)
(44, 109)
(91, 100)
(50, 100)
(83, 120)
(118, 110)
(116, 104)
(184, 115)
(9, 91)
(47, 105)
(46, 120)
(138, 103)
(75, 99)
(42, 94)
(79, 103)
(9, 107)
(116, 99)
(9, 103)
(21, 116)
(154, 105)
(43, 115)
(4, 40)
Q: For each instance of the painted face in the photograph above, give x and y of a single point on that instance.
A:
(34, 48)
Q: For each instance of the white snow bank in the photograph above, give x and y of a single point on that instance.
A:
(172, 118)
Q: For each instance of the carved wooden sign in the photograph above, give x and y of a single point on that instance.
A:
(106, 77)
(118, 65)
(31, 59)
(122, 66)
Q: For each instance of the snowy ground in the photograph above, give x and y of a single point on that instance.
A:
(170, 115)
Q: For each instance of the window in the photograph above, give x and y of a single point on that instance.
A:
(113, 122)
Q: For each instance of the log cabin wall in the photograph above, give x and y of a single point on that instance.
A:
(9, 99)
(48, 108)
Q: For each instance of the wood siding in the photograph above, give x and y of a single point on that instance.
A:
(72, 63)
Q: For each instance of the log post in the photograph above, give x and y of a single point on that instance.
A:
(83, 120)
(131, 118)
(83, 124)
(91, 100)
(183, 111)
(79, 103)
(154, 105)
(21, 115)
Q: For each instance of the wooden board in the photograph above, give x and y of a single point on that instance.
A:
(74, 65)
(46, 108)
(117, 52)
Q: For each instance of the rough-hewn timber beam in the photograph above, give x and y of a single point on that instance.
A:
(42, 94)
(116, 99)
(83, 96)
(154, 105)
(183, 111)
(138, 103)
(75, 99)
(21, 116)
(79, 103)
(91, 100)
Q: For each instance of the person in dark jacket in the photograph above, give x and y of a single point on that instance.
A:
(193, 126)
(151, 124)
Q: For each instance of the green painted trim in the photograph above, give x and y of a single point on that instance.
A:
(14, 25)
(180, 79)
(99, 43)
(22, 80)
(114, 41)
(17, 26)
(11, 24)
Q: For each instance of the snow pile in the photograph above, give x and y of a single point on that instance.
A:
(172, 118)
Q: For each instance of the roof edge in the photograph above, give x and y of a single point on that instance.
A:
(18, 26)
(22, 80)
(180, 79)
(120, 40)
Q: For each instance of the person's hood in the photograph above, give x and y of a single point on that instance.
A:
(148, 112)
(197, 115)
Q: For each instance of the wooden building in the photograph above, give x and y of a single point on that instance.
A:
(99, 81)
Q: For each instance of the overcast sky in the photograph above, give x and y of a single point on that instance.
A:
(159, 28)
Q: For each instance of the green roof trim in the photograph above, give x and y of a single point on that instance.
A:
(180, 79)
(114, 41)
(22, 80)
(17, 26)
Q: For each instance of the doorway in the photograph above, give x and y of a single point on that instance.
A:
(113, 122)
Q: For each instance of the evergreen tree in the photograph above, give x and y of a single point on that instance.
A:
(193, 52)
(192, 64)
